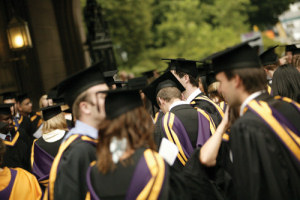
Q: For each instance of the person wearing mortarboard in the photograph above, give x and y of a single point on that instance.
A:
(151, 75)
(183, 125)
(270, 63)
(186, 72)
(46, 147)
(24, 106)
(16, 183)
(80, 92)
(264, 140)
(109, 78)
(17, 146)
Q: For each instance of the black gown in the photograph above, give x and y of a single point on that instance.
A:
(263, 167)
(68, 172)
(129, 181)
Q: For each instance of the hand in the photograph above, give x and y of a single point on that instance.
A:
(226, 117)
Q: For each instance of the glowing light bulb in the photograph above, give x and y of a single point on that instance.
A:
(19, 41)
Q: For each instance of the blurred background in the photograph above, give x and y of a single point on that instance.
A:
(43, 41)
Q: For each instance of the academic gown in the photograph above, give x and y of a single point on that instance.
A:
(16, 183)
(23, 125)
(17, 152)
(68, 172)
(157, 128)
(36, 120)
(187, 128)
(263, 166)
(144, 168)
(42, 156)
(203, 102)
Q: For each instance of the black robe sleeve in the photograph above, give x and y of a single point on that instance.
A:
(70, 182)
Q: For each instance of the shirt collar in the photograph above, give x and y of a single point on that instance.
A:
(2, 136)
(193, 95)
(82, 128)
(248, 99)
(176, 103)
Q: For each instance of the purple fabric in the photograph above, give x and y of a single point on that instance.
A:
(90, 186)
(139, 180)
(203, 130)
(276, 131)
(42, 163)
(4, 194)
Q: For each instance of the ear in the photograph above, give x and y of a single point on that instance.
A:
(19, 106)
(237, 81)
(84, 107)
(186, 78)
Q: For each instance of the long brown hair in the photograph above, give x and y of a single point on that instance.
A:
(135, 125)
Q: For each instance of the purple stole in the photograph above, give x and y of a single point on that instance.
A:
(151, 167)
(4, 194)
(176, 133)
(41, 164)
(282, 128)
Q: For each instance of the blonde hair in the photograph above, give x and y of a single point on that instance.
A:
(56, 122)
(213, 92)
(41, 100)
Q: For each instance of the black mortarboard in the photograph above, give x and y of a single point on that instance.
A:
(183, 65)
(269, 57)
(8, 95)
(77, 83)
(121, 84)
(21, 97)
(149, 74)
(165, 80)
(290, 47)
(50, 111)
(120, 101)
(137, 83)
(109, 77)
(5, 108)
(236, 57)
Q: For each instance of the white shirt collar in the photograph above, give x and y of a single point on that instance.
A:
(53, 136)
(2, 136)
(248, 99)
(176, 103)
(193, 95)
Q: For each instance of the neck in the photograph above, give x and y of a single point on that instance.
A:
(243, 96)
(189, 89)
(127, 154)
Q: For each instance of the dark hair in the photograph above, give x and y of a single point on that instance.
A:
(2, 151)
(193, 80)
(253, 79)
(135, 125)
(286, 82)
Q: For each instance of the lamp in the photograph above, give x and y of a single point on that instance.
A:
(18, 34)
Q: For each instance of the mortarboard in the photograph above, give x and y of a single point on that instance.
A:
(183, 65)
(8, 95)
(5, 108)
(235, 57)
(50, 111)
(21, 97)
(269, 57)
(109, 77)
(120, 101)
(77, 83)
(149, 74)
(290, 47)
(137, 83)
(165, 80)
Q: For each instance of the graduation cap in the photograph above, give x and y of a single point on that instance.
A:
(290, 47)
(5, 108)
(109, 77)
(8, 95)
(21, 97)
(137, 83)
(235, 57)
(165, 80)
(149, 74)
(120, 101)
(121, 84)
(50, 111)
(183, 65)
(269, 57)
(77, 83)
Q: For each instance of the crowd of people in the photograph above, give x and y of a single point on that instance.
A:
(225, 128)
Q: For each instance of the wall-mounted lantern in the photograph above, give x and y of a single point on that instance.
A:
(18, 34)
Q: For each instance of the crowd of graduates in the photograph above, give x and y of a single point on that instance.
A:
(225, 127)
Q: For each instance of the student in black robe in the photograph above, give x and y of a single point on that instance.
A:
(17, 149)
(186, 72)
(183, 125)
(264, 141)
(46, 147)
(127, 165)
(68, 172)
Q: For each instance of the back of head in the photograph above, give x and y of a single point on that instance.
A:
(56, 122)
(169, 93)
(286, 82)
